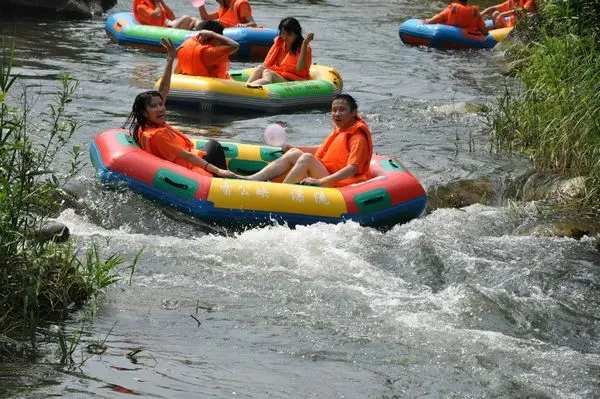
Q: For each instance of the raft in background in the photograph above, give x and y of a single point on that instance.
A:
(393, 195)
(210, 93)
(414, 32)
(123, 29)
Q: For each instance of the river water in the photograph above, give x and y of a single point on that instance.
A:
(458, 304)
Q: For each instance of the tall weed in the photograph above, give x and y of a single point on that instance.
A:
(40, 282)
(555, 116)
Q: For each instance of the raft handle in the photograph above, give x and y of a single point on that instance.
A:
(394, 164)
(175, 184)
(374, 200)
(246, 172)
(235, 74)
(254, 87)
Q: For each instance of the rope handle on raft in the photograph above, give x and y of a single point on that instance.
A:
(394, 164)
(254, 87)
(175, 184)
(372, 201)
(245, 172)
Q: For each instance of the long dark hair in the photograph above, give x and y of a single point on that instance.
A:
(291, 25)
(137, 117)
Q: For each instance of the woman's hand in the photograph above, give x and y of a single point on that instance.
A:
(204, 35)
(170, 47)
(309, 181)
(309, 37)
(226, 174)
(286, 147)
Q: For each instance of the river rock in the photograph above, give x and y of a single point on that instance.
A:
(461, 193)
(52, 230)
(547, 186)
(461, 107)
(49, 8)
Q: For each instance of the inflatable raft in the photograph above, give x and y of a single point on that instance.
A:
(123, 29)
(209, 93)
(414, 32)
(393, 195)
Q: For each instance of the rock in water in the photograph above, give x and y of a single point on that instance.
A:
(53, 231)
(51, 8)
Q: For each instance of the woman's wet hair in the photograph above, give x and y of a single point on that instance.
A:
(211, 25)
(291, 25)
(137, 117)
(348, 98)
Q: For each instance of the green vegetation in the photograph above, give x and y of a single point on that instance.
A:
(40, 282)
(555, 116)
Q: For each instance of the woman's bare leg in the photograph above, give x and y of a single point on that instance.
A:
(306, 166)
(277, 167)
(269, 76)
(257, 74)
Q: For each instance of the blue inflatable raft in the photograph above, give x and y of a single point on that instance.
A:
(123, 29)
(414, 32)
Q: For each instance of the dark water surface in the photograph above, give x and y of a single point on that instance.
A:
(459, 304)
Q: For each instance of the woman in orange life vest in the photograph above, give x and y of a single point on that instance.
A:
(461, 15)
(230, 13)
(158, 13)
(343, 157)
(509, 9)
(207, 53)
(289, 58)
(147, 125)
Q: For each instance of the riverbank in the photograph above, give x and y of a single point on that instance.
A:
(42, 280)
(553, 116)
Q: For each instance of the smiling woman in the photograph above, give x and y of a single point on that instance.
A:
(148, 127)
(289, 58)
(342, 159)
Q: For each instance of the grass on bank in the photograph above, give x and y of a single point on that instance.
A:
(555, 117)
(40, 282)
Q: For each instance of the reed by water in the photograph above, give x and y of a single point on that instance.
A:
(554, 116)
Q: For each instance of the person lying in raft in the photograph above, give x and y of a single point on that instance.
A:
(146, 123)
(289, 58)
(342, 159)
(207, 53)
(461, 15)
(158, 13)
(230, 13)
(504, 14)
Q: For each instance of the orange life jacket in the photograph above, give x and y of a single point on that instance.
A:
(145, 141)
(530, 5)
(284, 62)
(229, 17)
(466, 17)
(191, 61)
(335, 150)
(144, 20)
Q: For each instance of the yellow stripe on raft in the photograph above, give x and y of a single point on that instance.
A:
(204, 84)
(230, 86)
(276, 197)
(500, 34)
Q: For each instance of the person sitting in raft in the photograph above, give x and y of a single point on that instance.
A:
(461, 15)
(504, 14)
(158, 13)
(342, 159)
(289, 58)
(230, 13)
(207, 53)
(146, 123)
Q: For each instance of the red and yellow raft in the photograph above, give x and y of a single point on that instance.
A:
(393, 195)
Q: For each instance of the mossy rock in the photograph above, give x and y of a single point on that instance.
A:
(461, 193)
(554, 188)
